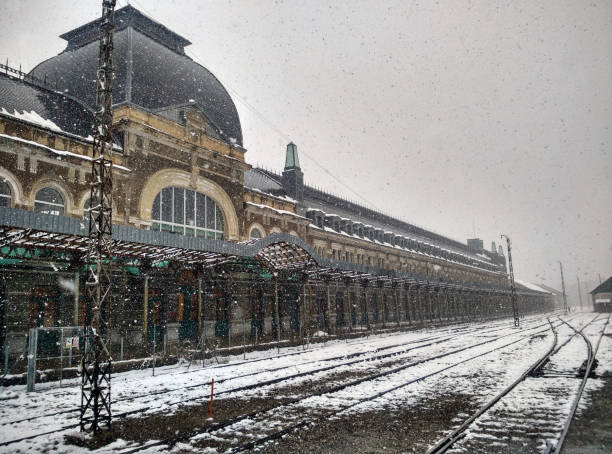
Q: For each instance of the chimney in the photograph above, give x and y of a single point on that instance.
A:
(475, 244)
(293, 177)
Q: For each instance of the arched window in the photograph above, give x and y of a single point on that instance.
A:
(187, 212)
(256, 233)
(6, 195)
(49, 201)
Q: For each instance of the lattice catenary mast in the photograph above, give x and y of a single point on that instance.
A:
(96, 362)
(565, 307)
(515, 312)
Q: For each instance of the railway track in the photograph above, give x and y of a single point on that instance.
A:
(591, 364)
(426, 342)
(268, 413)
(447, 442)
(432, 341)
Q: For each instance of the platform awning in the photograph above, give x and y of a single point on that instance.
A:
(276, 252)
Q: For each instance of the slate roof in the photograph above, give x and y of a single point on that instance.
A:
(554, 291)
(264, 181)
(151, 71)
(270, 182)
(604, 287)
(65, 112)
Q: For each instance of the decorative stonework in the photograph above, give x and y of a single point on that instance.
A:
(258, 226)
(15, 185)
(52, 182)
(176, 177)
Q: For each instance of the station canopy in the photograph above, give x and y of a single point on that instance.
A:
(278, 252)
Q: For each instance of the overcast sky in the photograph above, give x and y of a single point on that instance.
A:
(467, 118)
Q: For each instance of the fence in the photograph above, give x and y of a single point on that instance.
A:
(164, 317)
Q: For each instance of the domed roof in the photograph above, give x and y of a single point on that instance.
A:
(151, 71)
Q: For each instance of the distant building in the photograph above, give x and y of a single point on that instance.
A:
(557, 295)
(602, 296)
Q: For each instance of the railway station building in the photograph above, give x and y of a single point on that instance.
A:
(207, 248)
(602, 296)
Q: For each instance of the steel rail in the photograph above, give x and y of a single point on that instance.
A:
(246, 387)
(238, 389)
(445, 443)
(449, 440)
(250, 445)
(592, 355)
(197, 385)
(287, 430)
(267, 370)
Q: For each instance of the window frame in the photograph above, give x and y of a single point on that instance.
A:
(195, 230)
(10, 195)
(61, 212)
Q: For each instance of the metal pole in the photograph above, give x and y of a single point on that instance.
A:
(203, 342)
(6, 357)
(75, 317)
(579, 293)
(199, 307)
(407, 305)
(145, 309)
(202, 320)
(349, 307)
(154, 344)
(303, 313)
(327, 313)
(61, 355)
(97, 360)
(515, 312)
(366, 308)
(565, 308)
(32, 351)
(229, 329)
(278, 333)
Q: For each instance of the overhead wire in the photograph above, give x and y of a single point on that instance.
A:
(369, 204)
(270, 124)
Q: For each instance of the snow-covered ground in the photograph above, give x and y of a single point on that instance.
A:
(382, 371)
(535, 411)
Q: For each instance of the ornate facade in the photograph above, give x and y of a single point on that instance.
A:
(207, 244)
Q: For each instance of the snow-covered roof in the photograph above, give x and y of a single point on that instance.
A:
(44, 107)
(531, 286)
(268, 207)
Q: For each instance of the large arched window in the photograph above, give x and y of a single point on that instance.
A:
(187, 212)
(6, 195)
(256, 233)
(49, 201)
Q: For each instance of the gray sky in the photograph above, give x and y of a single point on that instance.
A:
(461, 117)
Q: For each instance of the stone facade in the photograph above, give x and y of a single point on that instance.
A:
(405, 275)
